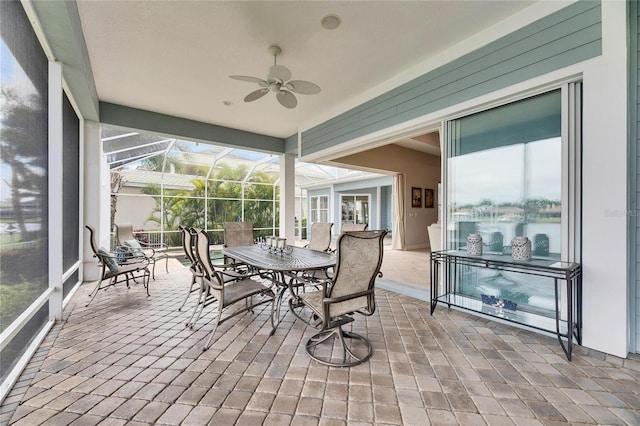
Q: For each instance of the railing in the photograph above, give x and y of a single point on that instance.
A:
(173, 239)
(23, 245)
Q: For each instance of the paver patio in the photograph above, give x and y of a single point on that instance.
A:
(128, 359)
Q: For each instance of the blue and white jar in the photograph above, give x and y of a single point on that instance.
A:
(474, 244)
(521, 248)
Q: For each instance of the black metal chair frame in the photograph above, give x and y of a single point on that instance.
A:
(315, 307)
(127, 266)
(226, 288)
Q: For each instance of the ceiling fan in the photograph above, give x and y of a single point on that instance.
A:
(278, 82)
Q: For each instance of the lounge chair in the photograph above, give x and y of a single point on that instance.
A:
(117, 266)
(154, 251)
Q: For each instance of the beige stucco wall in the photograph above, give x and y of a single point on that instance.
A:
(421, 170)
(135, 208)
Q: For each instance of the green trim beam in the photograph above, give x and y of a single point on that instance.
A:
(133, 118)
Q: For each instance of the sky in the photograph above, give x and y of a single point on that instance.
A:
(499, 175)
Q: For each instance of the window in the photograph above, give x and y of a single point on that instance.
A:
(504, 178)
(24, 247)
(319, 208)
(354, 208)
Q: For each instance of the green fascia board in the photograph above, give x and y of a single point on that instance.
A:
(566, 37)
(134, 118)
(60, 23)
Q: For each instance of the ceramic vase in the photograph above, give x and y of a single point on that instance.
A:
(474, 244)
(521, 248)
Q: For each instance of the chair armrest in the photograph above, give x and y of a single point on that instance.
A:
(330, 300)
(128, 255)
(154, 246)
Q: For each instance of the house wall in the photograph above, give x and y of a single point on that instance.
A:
(386, 211)
(135, 208)
(584, 41)
(421, 170)
(363, 187)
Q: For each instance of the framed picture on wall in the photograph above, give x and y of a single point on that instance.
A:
(428, 198)
(416, 197)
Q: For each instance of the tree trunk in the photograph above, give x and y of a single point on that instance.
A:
(116, 183)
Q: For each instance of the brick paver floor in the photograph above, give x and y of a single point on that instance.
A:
(129, 359)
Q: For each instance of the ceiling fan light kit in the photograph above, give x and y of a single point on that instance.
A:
(278, 81)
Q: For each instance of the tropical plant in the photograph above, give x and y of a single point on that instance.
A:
(23, 134)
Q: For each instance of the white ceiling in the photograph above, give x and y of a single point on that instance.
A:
(175, 57)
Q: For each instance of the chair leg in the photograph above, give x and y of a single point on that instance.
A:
(215, 327)
(195, 308)
(94, 292)
(193, 281)
(348, 353)
(146, 275)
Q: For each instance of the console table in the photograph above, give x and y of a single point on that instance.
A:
(446, 264)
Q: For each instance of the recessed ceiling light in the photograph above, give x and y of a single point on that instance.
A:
(227, 103)
(331, 22)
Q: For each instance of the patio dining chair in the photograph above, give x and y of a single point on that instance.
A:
(118, 266)
(350, 227)
(238, 234)
(224, 290)
(154, 251)
(320, 236)
(188, 240)
(320, 241)
(350, 291)
(189, 236)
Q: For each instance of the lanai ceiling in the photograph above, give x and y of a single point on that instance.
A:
(175, 57)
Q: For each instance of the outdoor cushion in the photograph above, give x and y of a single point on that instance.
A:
(135, 246)
(109, 261)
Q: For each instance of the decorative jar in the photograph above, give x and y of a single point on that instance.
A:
(521, 248)
(474, 244)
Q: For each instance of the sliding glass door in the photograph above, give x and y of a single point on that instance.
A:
(506, 171)
(354, 208)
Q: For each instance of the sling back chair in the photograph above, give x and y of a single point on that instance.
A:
(238, 234)
(351, 227)
(225, 294)
(320, 236)
(154, 251)
(350, 291)
(229, 273)
(188, 241)
(117, 266)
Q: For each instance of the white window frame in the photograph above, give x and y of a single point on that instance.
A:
(315, 211)
(354, 196)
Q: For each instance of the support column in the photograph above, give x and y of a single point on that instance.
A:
(55, 189)
(96, 198)
(287, 197)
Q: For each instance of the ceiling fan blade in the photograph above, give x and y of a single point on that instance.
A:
(279, 72)
(257, 94)
(303, 87)
(249, 79)
(286, 99)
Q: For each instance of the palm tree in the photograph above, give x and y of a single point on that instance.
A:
(23, 141)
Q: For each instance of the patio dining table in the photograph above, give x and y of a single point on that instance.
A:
(281, 263)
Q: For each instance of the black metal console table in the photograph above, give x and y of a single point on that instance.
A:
(450, 261)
